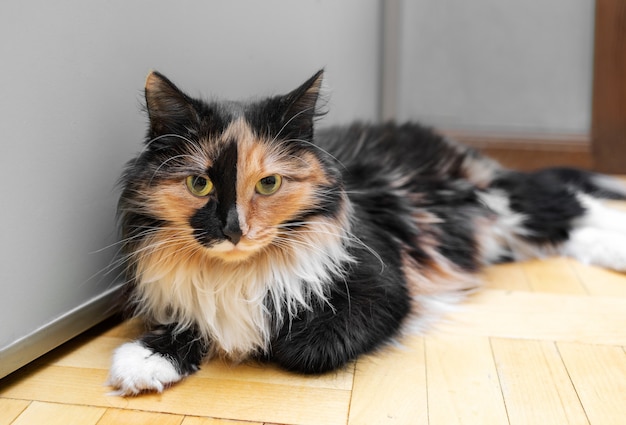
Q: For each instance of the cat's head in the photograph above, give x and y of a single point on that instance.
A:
(227, 179)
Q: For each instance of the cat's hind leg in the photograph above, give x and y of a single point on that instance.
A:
(155, 361)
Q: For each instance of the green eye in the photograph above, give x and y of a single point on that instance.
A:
(269, 185)
(199, 185)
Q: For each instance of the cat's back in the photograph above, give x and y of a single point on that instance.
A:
(391, 148)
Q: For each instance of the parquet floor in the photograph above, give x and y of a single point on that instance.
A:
(543, 343)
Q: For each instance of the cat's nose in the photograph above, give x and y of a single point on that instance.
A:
(231, 229)
(233, 235)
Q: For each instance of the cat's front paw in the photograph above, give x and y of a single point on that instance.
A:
(136, 369)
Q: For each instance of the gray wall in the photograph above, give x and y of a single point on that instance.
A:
(72, 75)
(497, 65)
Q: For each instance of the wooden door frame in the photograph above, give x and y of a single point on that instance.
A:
(608, 121)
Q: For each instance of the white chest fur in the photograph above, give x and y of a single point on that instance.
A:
(235, 305)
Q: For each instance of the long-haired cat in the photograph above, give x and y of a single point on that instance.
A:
(247, 233)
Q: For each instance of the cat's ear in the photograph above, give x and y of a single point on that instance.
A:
(169, 109)
(301, 107)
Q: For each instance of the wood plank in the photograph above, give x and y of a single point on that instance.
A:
(193, 420)
(535, 384)
(381, 379)
(463, 386)
(92, 354)
(509, 276)
(128, 330)
(599, 281)
(272, 374)
(59, 414)
(554, 276)
(11, 409)
(390, 386)
(599, 376)
(120, 416)
(551, 317)
(194, 396)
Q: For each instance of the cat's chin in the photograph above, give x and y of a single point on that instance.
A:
(229, 252)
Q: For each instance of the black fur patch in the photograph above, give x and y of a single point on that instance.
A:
(224, 175)
(549, 207)
(185, 349)
(207, 228)
(218, 219)
(585, 181)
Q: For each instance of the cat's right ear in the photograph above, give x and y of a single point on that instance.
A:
(169, 109)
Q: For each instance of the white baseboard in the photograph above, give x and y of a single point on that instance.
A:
(55, 333)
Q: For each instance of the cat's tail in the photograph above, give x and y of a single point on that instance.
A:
(558, 211)
(597, 185)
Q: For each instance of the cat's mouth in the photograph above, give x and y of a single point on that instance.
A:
(228, 251)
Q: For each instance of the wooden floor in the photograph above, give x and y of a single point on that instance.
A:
(543, 343)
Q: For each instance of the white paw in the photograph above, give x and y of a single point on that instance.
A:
(136, 369)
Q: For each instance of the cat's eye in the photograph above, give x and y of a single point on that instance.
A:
(269, 185)
(199, 185)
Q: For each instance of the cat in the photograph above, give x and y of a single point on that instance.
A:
(247, 233)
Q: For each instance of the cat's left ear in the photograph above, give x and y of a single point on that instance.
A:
(300, 107)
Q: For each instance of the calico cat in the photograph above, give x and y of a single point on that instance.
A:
(247, 233)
